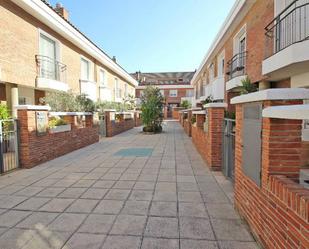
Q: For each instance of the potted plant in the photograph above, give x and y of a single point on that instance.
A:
(247, 87)
(152, 103)
(208, 100)
(57, 125)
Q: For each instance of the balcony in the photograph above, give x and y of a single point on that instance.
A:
(51, 74)
(89, 88)
(287, 42)
(214, 89)
(236, 70)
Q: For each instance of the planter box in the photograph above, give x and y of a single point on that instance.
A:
(60, 128)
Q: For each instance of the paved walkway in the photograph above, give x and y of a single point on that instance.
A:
(130, 191)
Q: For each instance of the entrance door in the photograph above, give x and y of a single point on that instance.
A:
(252, 142)
(229, 148)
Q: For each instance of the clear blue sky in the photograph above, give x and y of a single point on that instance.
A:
(151, 35)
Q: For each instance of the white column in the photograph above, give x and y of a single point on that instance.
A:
(14, 100)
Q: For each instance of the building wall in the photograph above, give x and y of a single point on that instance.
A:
(21, 44)
(181, 92)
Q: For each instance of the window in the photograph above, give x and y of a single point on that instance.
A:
(117, 89)
(189, 93)
(48, 47)
(102, 78)
(162, 92)
(173, 93)
(126, 90)
(48, 54)
(220, 64)
(85, 69)
(211, 73)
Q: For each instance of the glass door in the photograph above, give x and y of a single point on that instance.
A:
(48, 63)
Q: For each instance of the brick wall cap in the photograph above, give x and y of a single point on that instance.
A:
(32, 107)
(287, 112)
(191, 109)
(70, 113)
(203, 112)
(272, 94)
(216, 105)
(109, 110)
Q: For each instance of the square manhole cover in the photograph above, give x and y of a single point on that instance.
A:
(136, 152)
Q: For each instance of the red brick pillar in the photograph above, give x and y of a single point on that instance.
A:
(109, 128)
(189, 124)
(281, 144)
(70, 119)
(265, 206)
(28, 133)
(89, 120)
(215, 116)
(200, 119)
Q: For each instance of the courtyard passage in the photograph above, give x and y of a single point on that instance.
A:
(130, 191)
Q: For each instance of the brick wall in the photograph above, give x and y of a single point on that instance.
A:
(114, 127)
(175, 113)
(209, 144)
(277, 212)
(36, 149)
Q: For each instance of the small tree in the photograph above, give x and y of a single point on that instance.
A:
(185, 104)
(152, 103)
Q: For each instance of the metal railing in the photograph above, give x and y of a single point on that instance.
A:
(8, 145)
(237, 65)
(287, 28)
(49, 68)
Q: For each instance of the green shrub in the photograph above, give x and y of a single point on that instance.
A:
(185, 104)
(193, 119)
(68, 102)
(4, 112)
(230, 115)
(152, 103)
(53, 122)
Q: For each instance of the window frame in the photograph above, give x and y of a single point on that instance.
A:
(90, 67)
(173, 95)
(102, 82)
(57, 44)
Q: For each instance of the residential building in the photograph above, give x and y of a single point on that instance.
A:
(42, 51)
(174, 86)
(265, 149)
(236, 53)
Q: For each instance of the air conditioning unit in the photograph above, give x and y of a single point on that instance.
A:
(304, 178)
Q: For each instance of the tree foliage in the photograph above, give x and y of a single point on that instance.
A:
(152, 109)
(185, 104)
(68, 102)
(4, 112)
